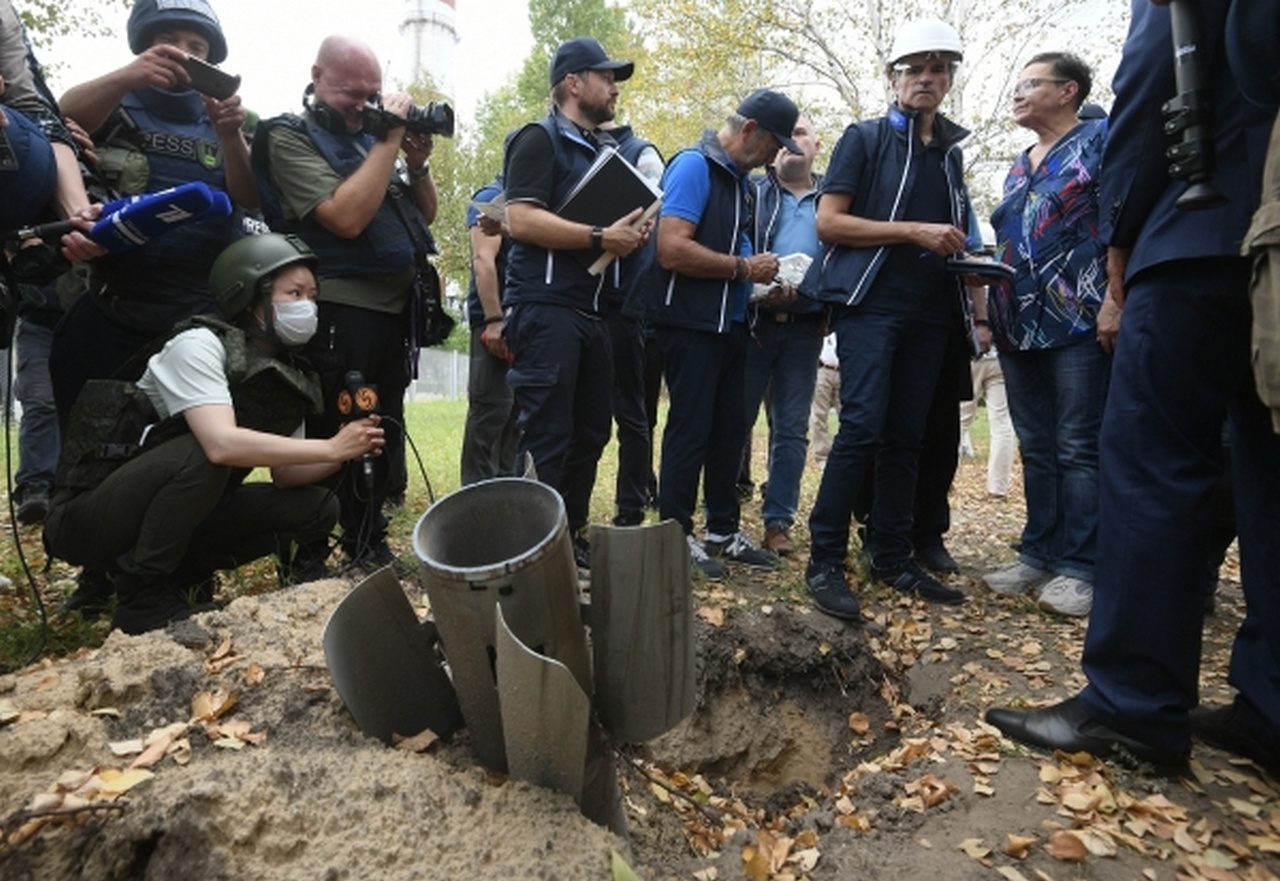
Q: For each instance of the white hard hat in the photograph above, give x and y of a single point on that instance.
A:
(925, 36)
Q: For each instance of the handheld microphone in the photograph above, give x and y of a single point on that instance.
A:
(356, 400)
(132, 221)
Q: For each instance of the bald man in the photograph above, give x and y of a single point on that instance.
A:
(365, 211)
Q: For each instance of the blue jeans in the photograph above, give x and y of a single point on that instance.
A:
(1056, 399)
(889, 367)
(784, 354)
(38, 437)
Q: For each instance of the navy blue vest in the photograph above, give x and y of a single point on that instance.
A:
(707, 303)
(167, 279)
(535, 274)
(384, 248)
(628, 276)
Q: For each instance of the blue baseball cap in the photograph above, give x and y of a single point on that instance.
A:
(584, 53)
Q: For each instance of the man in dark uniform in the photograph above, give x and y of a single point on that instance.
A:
(1184, 289)
(894, 206)
(340, 188)
(699, 314)
(562, 372)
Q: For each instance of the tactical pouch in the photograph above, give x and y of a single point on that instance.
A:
(105, 431)
(1262, 243)
(123, 168)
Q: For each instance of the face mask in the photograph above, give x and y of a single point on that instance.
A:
(295, 321)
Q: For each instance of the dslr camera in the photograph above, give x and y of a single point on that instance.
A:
(432, 118)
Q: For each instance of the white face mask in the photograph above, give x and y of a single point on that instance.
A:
(295, 321)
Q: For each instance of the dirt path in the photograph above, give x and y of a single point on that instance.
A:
(818, 751)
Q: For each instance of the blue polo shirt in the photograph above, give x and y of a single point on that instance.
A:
(686, 188)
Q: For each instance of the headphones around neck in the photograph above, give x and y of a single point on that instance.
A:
(325, 116)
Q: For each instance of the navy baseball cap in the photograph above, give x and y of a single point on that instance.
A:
(775, 113)
(584, 53)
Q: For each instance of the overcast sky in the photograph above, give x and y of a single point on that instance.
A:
(271, 44)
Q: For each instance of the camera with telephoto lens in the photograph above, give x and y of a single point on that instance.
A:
(432, 118)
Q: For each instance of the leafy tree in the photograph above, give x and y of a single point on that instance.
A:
(828, 55)
(46, 20)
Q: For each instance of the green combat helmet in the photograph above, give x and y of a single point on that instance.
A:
(244, 269)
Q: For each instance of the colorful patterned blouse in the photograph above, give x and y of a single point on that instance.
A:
(1047, 229)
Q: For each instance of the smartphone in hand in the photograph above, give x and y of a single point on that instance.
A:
(209, 80)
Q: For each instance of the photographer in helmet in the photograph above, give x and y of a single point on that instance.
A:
(339, 187)
(166, 505)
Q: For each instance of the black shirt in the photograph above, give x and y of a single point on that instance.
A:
(913, 279)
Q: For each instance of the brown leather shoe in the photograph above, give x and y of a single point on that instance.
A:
(778, 540)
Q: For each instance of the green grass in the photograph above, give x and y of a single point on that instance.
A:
(435, 428)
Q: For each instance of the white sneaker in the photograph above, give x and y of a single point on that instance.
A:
(1067, 596)
(1015, 579)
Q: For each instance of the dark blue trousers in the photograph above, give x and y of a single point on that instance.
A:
(889, 368)
(635, 447)
(562, 377)
(1180, 369)
(706, 424)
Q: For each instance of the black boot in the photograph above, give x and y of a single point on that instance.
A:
(148, 603)
(92, 596)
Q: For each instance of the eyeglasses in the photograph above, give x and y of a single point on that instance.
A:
(938, 68)
(1026, 87)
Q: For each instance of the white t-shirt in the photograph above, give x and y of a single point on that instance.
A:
(190, 371)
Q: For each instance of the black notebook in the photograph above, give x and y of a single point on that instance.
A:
(609, 189)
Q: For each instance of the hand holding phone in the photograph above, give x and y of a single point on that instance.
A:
(209, 80)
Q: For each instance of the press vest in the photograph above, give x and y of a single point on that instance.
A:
(383, 248)
(536, 274)
(180, 145)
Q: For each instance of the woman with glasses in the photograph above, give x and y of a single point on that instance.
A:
(1044, 323)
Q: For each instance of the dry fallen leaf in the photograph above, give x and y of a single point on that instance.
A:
(119, 782)
(755, 865)
(1018, 846)
(126, 747)
(1066, 847)
(1011, 873)
(713, 615)
(223, 649)
(975, 848)
(254, 674)
(152, 755)
(807, 859)
(416, 743)
(207, 706)
(859, 723)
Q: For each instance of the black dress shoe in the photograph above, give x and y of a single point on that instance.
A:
(1237, 729)
(1069, 727)
(935, 557)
